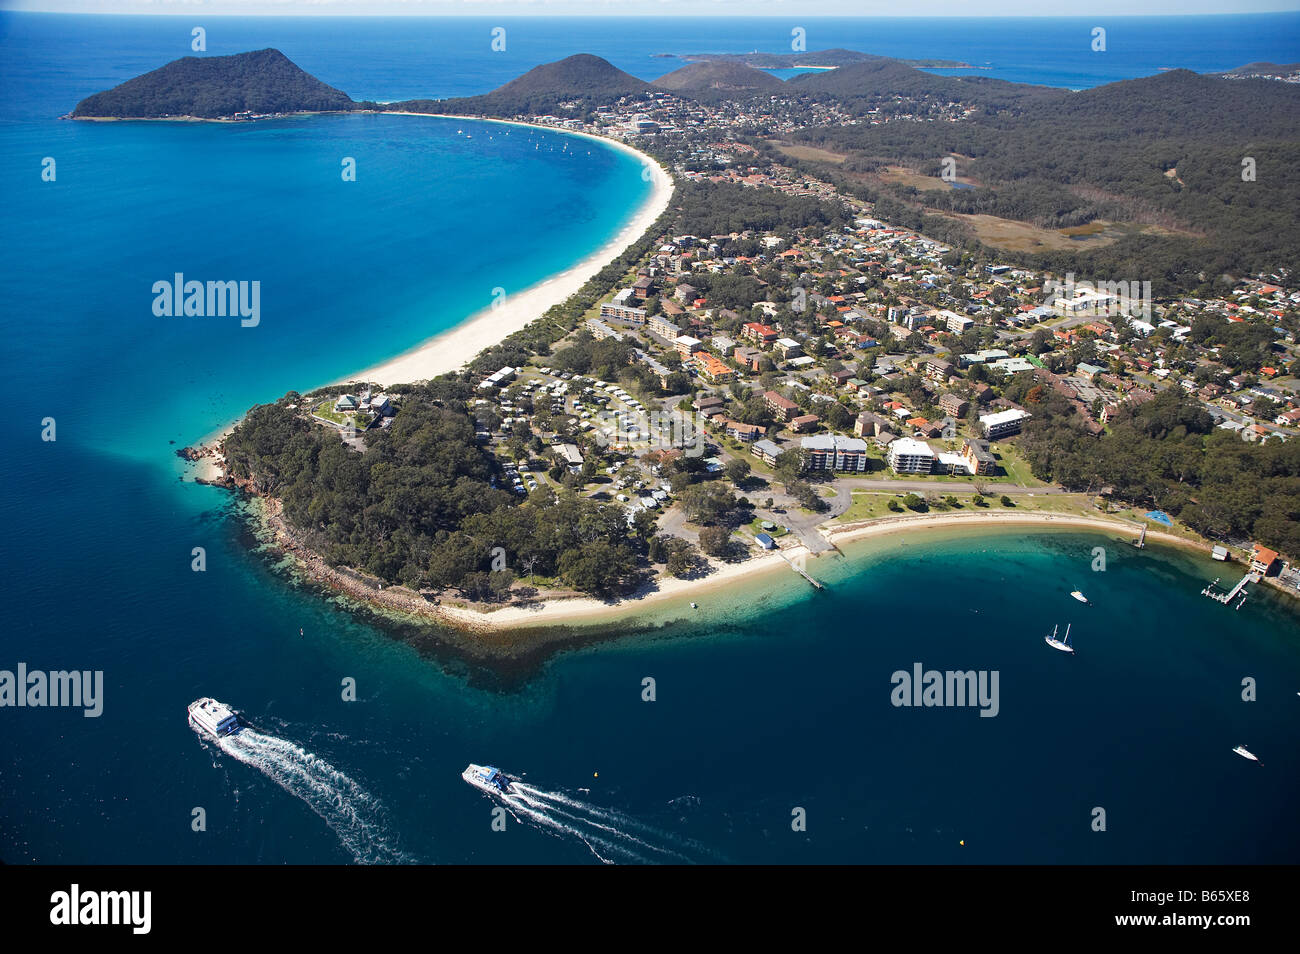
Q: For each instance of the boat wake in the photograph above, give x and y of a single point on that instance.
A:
(610, 835)
(352, 813)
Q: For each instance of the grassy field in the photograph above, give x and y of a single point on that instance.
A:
(868, 505)
(1017, 469)
(809, 153)
(871, 504)
(326, 410)
(756, 527)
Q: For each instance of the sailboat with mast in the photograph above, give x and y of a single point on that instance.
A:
(1062, 644)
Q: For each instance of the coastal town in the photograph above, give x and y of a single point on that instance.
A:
(765, 389)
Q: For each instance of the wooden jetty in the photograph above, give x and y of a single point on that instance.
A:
(803, 573)
(1141, 541)
(1232, 594)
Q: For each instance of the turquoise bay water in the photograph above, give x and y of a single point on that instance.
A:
(351, 273)
(768, 698)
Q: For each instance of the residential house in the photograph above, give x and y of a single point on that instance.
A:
(1262, 559)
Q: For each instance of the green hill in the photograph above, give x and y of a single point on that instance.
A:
(213, 87)
(1164, 151)
(584, 79)
(720, 77)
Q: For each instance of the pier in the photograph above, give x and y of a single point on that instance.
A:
(803, 573)
(1232, 594)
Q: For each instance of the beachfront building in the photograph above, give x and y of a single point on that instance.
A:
(1003, 423)
(661, 326)
(600, 330)
(498, 379)
(615, 311)
(832, 452)
(979, 462)
(908, 456)
(1262, 559)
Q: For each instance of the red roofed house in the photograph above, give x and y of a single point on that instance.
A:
(1262, 559)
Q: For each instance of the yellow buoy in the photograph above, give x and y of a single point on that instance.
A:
(595, 775)
(962, 843)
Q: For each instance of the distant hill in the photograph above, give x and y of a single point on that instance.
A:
(1264, 69)
(837, 57)
(578, 75)
(718, 76)
(583, 78)
(213, 87)
(1166, 152)
(880, 78)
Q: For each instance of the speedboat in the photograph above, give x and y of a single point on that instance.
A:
(487, 778)
(1062, 644)
(1245, 753)
(1079, 596)
(213, 717)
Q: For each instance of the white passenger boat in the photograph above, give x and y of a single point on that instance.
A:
(487, 778)
(213, 717)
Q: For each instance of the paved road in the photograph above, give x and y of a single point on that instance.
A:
(991, 489)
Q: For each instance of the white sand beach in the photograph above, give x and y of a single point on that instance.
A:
(673, 597)
(455, 347)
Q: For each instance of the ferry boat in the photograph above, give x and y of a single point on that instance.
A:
(1062, 644)
(487, 778)
(213, 717)
(1245, 753)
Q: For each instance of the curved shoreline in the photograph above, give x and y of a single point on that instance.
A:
(455, 347)
(670, 599)
(452, 349)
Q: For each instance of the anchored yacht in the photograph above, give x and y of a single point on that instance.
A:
(487, 778)
(1062, 644)
(213, 717)
(1245, 753)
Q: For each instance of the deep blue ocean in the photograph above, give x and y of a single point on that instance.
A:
(769, 698)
